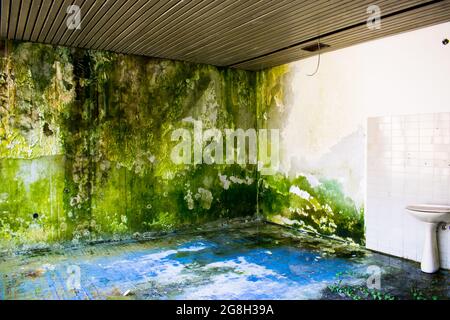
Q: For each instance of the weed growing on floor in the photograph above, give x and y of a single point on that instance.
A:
(362, 292)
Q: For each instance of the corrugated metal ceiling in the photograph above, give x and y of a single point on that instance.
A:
(246, 34)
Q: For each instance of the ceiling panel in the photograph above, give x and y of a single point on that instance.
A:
(407, 21)
(247, 34)
(307, 27)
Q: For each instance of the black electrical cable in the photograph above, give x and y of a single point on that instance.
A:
(318, 60)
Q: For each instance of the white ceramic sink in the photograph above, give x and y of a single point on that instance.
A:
(430, 213)
(431, 216)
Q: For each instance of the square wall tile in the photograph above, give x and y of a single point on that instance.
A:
(408, 161)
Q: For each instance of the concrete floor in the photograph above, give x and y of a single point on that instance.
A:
(257, 262)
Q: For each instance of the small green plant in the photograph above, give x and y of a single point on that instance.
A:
(344, 290)
(357, 292)
(418, 294)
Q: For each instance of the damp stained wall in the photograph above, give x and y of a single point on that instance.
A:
(323, 122)
(297, 195)
(85, 143)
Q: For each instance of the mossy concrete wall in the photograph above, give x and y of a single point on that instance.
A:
(85, 142)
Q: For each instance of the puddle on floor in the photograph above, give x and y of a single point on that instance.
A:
(258, 262)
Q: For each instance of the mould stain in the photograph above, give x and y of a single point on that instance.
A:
(85, 142)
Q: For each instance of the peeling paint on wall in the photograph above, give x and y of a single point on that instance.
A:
(309, 194)
(85, 144)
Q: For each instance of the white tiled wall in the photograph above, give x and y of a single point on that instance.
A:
(408, 161)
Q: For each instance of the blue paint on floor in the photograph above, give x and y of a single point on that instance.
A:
(230, 265)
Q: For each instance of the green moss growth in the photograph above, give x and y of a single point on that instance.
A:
(31, 207)
(95, 128)
(106, 119)
(323, 209)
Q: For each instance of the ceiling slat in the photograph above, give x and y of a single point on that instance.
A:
(101, 26)
(131, 24)
(13, 18)
(134, 30)
(248, 30)
(21, 23)
(194, 22)
(159, 23)
(56, 11)
(231, 18)
(4, 21)
(61, 24)
(111, 24)
(98, 10)
(58, 20)
(123, 21)
(41, 19)
(32, 16)
(174, 24)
